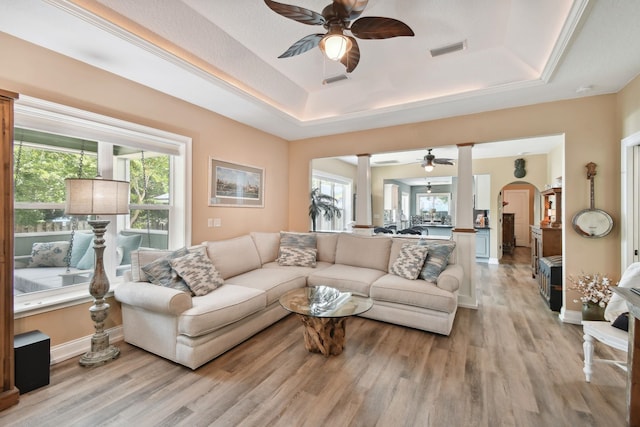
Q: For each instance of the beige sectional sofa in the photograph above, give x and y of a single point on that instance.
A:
(191, 330)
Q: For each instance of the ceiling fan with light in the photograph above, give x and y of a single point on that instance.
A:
(429, 161)
(337, 18)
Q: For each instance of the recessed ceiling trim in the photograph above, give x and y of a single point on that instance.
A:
(568, 29)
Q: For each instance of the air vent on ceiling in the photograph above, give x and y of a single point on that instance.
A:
(448, 49)
(334, 79)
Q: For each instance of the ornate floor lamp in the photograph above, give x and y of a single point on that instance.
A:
(98, 197)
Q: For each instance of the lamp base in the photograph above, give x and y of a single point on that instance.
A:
(101, 352)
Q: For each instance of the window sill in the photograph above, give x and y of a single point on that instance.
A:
(32, 304)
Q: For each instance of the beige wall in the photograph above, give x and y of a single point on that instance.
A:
(629, 108)
(591, 132)
(39, 73)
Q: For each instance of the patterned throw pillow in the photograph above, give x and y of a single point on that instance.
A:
(437, 258)
(302, 257)
(198, 273)
(159, 272)
(49, 254)
(297, 249)
(298, 240)
(410, 261)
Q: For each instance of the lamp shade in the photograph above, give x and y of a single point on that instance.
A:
(96, 197)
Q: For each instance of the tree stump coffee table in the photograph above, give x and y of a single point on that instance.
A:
(324, 311)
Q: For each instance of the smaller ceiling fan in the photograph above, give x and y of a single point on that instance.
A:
(337, 18)
(429, 161)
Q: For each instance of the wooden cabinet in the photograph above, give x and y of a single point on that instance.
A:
(508, 233)
(552, 207)
(545, 241)
(9, 394)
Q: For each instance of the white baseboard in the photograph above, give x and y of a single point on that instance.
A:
(70, 349)
(571, 316)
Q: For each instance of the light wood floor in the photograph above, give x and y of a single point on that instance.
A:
(510, 363)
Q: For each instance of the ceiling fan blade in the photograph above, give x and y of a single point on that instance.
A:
(297, 13)
(443, 161)
(302, 45)
(380, 28)
(352, 8)
(351, 58)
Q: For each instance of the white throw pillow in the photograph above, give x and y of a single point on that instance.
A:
(617, 305)
(49, 254)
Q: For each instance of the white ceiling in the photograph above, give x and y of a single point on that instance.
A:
(222, 56)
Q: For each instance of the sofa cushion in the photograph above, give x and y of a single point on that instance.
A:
(437, 258)
(159, 272)
(302, 257)
(234, 256)
(363, 251)
(302, 271)
(49, 254)
(198, 273)
(275, 282)
(144, 256)
(419, 293)
(225, 305)
(326, 245)
(346, 278)
(409, 262)
(267, 245)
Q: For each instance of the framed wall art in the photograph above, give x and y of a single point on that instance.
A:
(232, 184)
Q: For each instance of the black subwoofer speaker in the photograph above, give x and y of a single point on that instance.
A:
(32, 360)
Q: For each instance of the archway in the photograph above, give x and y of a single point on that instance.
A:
(519, 210)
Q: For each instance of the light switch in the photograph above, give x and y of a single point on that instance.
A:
(217, 222)
(210, 222)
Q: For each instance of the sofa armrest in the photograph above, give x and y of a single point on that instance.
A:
(153, 298)
(451, 278)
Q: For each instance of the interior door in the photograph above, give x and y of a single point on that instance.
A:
(518, 204)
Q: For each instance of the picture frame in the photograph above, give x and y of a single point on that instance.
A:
(235, 185)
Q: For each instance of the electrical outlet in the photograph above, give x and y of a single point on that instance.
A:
(217, 222)
(210, 222)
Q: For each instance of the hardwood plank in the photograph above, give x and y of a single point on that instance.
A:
(511, 362)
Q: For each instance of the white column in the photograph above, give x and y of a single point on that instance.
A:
(464, 234)
(363, 196)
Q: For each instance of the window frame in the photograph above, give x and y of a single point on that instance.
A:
(347, 209)
(41, 115)
(433, 196)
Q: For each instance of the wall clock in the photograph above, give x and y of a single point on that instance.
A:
(592, 222)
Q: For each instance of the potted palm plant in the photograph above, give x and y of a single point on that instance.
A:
(322, 204)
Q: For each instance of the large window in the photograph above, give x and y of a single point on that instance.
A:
(434, 204)
(54, 142)
(339, 188)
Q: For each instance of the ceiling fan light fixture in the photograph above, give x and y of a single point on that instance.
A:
(429, 166)
(335, 45)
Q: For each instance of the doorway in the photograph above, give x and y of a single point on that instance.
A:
(518, 199)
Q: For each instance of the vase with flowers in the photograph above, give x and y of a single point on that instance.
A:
(595, 294)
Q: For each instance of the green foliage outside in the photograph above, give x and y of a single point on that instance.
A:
(39, 177)
(148, 188)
